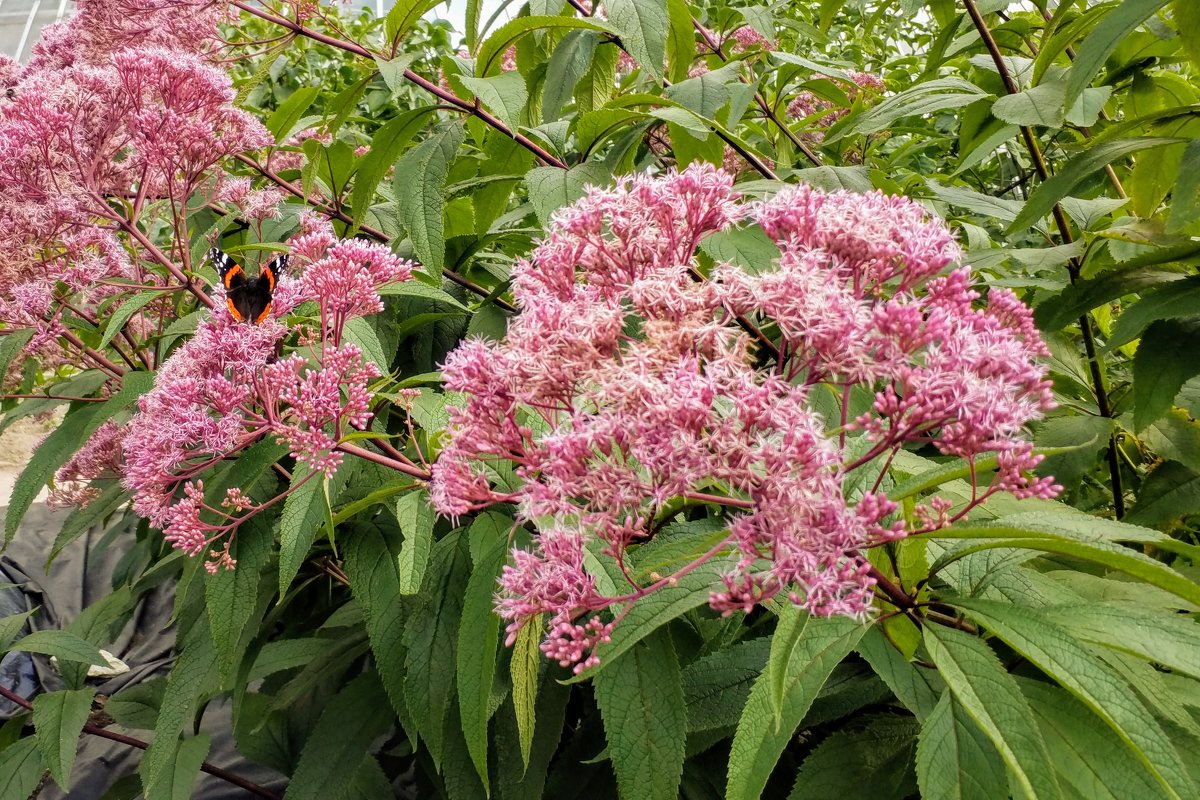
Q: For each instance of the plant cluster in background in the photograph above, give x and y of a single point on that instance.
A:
(656, 398)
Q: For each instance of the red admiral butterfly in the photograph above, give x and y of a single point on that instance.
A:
(249, 299)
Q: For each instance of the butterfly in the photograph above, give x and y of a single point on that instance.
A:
(249, 299)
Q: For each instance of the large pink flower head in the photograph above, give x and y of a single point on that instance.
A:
(627, 384)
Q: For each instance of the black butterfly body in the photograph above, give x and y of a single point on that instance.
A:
(249, 299)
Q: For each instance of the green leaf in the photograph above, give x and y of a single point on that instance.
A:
(419, 185)
(1168, 639)
(63, 645)
(1041, 105)
(707, 93)
(1171, 491)
(335, 748)
(551, 188)
(59, 718)
(1103, 40)
(918, 688)
(123, 314)
(955, 761)
(1094, 764)
(416, 518)
(871, 757)
(1167, 357)
(785, 645)
(571, 60)
(748, 248)
(1058, 311)
(63, 441)
(193, 672)
(921, 100)
(12, 344)
(82, 518)
(990, 697)
(715, 686)
(289, 112)
(431, 646)
(655, 610)
(137, 706)
(478, 639)
(1055, 652)
(523, 668)
(359, 332)
(20, 769)
(681, 43)
(1043, 199)
(1187, 23)
(404, 15)
(12, 625)
(386, 145)
(303, 515)
(505, 94)
(641, 701)
(504, 37)
(232, 596)
(1174, 300)
(759, 742)
(644, 28)
(179, 778)
(370, 562)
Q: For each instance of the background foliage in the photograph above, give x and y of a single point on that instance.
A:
(1042, 649)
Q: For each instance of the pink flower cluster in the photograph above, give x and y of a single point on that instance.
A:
(626, 383)
(224, 390)
(119, 102)
(862, 86)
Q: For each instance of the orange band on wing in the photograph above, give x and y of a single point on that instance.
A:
(233, 310)
(266, 312)
(270, 273)
(230, 274)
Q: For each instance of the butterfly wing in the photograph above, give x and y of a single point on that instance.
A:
(234, 279)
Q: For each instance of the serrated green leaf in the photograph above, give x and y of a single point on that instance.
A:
(1167, 357)
(338, 742)
(478, 639)
(416, 519)
(871, 757)
(641, 701)
(82, 518)
(1043, 199)
(523, 668)
(386, 145)
(785, 644)
(644, 27)
(178, 779)
(289, 112)
(918, 688)
(303, 515)
(955, 761)
(990, 697)
(505, 94)
(920, 100)
(715, 686)
(419, 186)
(1175, 299)
(1103, 40)
(194, 671)
(1064, 659)
(1171, 491)
(551, 188)
(359, 332)
(58, 718)
(493, 48)
(232, 596)
(404, 15)
(431, 646)
(570, 61)
(137, 706)
(123, 314)
(1058, 311)
(655, 610)
(759, 741)
(20, 769)
(1090, 762)
(63, 645)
